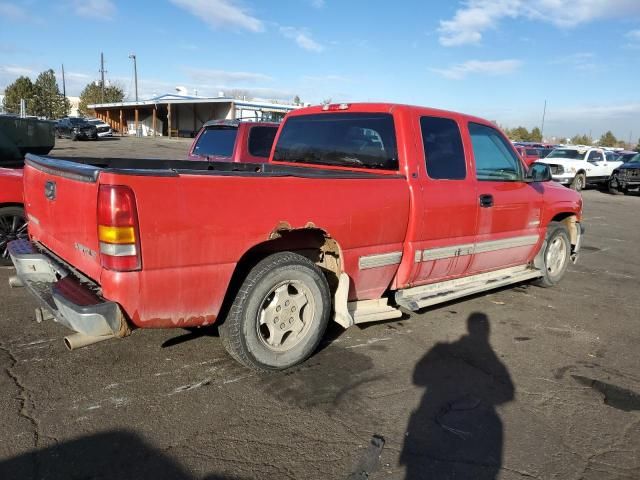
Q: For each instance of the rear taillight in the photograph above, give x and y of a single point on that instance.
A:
(118, 230)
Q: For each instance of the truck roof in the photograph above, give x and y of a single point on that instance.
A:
(236, 123)
(375, 107)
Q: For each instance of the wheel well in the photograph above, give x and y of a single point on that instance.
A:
(570, 221)
(581, 171)
(313, 243)
(2, 205)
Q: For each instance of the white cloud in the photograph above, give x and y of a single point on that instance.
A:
(633, 35)
(317, 3)
(302, 38)
(493, 68)
(100, 9)
(216, 77)
(477, 16)
(221, 14)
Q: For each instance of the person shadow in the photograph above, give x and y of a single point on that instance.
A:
(456, 433)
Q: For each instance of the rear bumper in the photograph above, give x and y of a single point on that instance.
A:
(70, 302)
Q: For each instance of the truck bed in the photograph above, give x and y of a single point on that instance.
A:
(198, 219)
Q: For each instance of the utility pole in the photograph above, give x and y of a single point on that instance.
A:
(102, 72)
(135, 72)
(64, 85)
(544, 114)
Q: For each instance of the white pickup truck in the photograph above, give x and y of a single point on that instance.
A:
(578, 167)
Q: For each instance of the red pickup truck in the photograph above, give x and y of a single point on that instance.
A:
(12, 221)
(362, 210)
(234, 141)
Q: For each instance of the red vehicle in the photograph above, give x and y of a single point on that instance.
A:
(362, 209)
(234, 141)
(528, 155)
(12, 220)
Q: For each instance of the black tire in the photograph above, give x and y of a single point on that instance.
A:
(579, 182)
(552, 272)
(12, 227)
(246, 333)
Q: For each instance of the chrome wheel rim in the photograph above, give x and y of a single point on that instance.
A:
(285, 316)
(12, 227)
(556, 255)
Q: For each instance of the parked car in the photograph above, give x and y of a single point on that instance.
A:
(578, 167)
(626, 155)
(529, 155)
(361, 209)
(13, 224)
(18, 136)
(104, 130)
(234, 141)
(76, 128)
(626, 177)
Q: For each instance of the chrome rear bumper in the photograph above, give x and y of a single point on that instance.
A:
(70, 302)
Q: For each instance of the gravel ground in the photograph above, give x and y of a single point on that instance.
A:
(515, 384)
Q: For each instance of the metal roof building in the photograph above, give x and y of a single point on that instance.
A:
(182, 115)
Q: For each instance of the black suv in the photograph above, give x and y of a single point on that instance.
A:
(625, 177)
(76, 128)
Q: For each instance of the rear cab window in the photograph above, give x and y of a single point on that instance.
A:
(360, 140)
(495, 160)
(261, 140)
(216, 142)
(443, 150)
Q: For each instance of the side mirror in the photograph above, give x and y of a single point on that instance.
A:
(538, 172)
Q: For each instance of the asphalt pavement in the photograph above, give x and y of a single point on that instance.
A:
(518, 383)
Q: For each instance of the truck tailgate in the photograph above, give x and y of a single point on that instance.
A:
(61, 209)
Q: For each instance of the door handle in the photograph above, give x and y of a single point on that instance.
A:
(486, 201)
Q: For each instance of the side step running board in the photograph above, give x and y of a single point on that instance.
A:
(426, 295)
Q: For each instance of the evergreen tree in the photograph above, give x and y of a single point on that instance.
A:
(535, 135)
(47, 100)
(608, 139)
(22, 88)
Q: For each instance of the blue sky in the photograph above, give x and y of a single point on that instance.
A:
(499, 59)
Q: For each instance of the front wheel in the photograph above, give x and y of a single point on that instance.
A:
(556, 255)
(13, 226)
(579, 182)
(279, 314)
(613, 186)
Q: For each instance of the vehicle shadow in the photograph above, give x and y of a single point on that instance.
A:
(114, 454)
(456, 432)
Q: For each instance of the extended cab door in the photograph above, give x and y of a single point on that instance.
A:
(446, 220)
(598, 165)
(509, 211)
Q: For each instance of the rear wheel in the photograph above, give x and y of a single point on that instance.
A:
(13, 226)
(579, 182)
(279, 314)
(556, 255)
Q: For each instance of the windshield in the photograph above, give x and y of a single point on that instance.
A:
(635, 159)
(566, 153)
(95, 122)
(216, 142)
(77, 121)
(364, 140)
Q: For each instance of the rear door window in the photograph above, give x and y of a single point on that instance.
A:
(216, 142)
(443, 151)
(261, 141)
(362, 140)
(494, 158)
